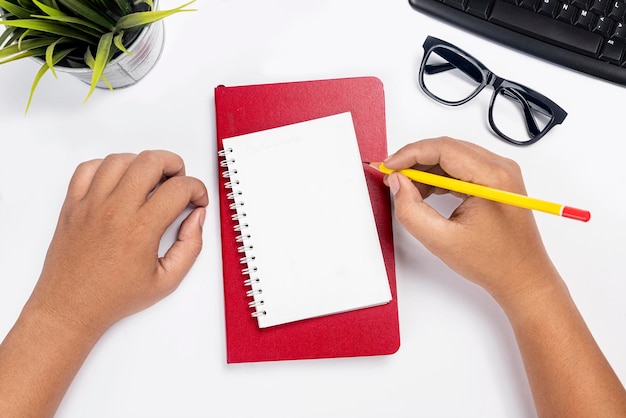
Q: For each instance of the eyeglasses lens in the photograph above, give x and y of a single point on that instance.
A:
(519, 116)
(450, 77)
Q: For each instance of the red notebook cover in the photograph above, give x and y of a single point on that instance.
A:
(364, 332)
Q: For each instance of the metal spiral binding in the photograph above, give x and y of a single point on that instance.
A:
(250, 271)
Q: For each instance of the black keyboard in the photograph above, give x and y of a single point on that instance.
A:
(585, 35)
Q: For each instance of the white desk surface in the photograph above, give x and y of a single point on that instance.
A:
(458, 355)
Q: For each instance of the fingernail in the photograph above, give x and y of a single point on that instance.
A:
(388, 158)
(202, 217)
(394, 184)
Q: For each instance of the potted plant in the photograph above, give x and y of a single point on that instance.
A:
(88, 38)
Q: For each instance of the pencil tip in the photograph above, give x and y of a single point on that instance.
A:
(366, 162)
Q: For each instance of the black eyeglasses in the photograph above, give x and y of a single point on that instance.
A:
(516, 113)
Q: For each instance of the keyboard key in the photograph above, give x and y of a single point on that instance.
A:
(620, 32)
(567, 13)
(548, 7)
(545, 29)
(599, 7)
(457, 4)
(603, 26)
(480, 8)
(585, 20)
(612, 51)
(581, 4)
(528, 4)
(618, 11)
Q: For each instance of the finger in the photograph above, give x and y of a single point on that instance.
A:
(416, 216)
(81, 179)
(183, 253)
(431, 152)
(424, 189)
(109, 173)
(459, 159)
(146, 171)
(171, 198)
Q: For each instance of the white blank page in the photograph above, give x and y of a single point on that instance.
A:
(309, 220)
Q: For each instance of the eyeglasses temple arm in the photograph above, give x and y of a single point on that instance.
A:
(533, 129)
(453, 61)
(439, 68)
(532, 105)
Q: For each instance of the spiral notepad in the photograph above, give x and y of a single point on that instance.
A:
(306, 231)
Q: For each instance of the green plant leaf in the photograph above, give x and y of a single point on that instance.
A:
(117, 41)
(5, 35)
(15, 36)
(124, 6)
(38, 76)
(27, 4)
(19, 12)
(56, 58)
(21, 38)
(83, 9)
(113, 9)
(103, 57)
(145, 18)
(50, 54)
(90, 61)
(37, 52)
(97, 30)
(50, 11)
(101, 5)
(50, 3)
(27, 44)
(50, 27)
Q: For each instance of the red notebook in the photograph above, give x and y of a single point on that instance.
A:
(363, 332)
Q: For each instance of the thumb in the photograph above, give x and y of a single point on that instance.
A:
(415, 215)
(183, 253)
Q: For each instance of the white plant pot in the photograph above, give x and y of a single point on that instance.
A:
(125, 69)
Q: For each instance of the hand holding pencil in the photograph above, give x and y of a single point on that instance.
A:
(497, 246)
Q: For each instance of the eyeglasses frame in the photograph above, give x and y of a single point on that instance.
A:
(485, 77)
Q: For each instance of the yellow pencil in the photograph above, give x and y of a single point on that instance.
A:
(485, 192)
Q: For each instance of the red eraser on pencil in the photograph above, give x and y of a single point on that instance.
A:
(573, 213)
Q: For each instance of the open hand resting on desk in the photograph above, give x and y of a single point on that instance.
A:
(102, 266)
(498, 247)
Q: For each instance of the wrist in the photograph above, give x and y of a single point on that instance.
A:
(38, 360)
(537, 296)
(57, 323)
